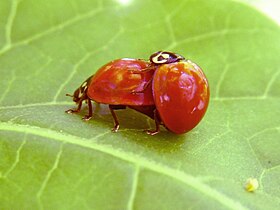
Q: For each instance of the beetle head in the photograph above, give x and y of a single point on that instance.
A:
(163, 57)
(81, 92)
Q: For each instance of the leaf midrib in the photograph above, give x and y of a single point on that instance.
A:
(71, 103)
(125, 156)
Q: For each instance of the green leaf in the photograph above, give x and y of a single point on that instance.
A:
(52, 160)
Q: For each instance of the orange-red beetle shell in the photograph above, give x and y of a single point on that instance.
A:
(115, 82)
(181, 95)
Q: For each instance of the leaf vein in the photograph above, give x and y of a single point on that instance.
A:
(9, 25)
(262, 131)
(180, 176)
(49, 174)
(13, 166)
(270, 83)
(134, 188)
(6, 91)
(210, 141)
(82, 61)
(60, 26)
(213, 34)
(222, 77)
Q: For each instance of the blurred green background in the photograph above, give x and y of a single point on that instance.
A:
(51, 160)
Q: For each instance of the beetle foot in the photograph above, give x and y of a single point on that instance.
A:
(86, 117)
(152, 132)
(71, 111)
(116, 128)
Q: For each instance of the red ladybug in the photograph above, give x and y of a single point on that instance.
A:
(180, 90)
(117, 84)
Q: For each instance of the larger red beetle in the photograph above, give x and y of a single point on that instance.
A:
(170, 89)
(181, 93)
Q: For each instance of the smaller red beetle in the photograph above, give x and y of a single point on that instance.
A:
(117, 85)
(169, 89)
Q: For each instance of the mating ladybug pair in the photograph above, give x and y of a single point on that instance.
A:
(169, 89)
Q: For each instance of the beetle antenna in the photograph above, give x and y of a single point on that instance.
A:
(69, 95)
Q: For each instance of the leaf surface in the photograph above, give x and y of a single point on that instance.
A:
(52, 160)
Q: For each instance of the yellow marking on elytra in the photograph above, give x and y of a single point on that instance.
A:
(119, 78)
(84, 84)
(107, 68)
(80, 94)
(82, 89)
(135, 76)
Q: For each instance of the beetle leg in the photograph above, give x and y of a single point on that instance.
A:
(116, 121)
(143, 88)
(70, 111)
(89, 116)
(157, 122)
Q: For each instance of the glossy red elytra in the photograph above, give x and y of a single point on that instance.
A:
(117, 84)
(169, 89)
(181, 92)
